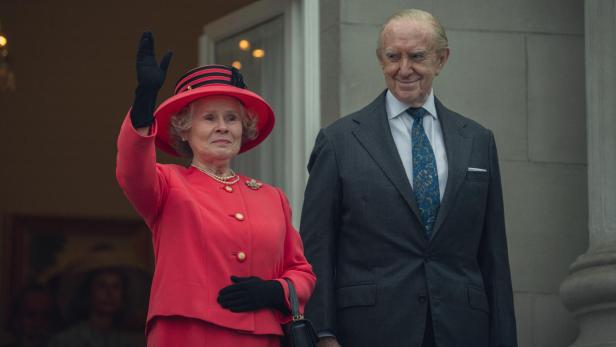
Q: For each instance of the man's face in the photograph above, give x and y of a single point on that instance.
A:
(409, 60)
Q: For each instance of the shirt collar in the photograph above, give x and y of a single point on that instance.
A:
(395, 107)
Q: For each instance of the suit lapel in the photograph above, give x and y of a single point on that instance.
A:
(374, 134)
(458, 148)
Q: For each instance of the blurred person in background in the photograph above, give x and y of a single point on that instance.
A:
(34, 317)
(99, 307)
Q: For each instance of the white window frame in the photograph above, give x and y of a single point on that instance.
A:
(302, 78)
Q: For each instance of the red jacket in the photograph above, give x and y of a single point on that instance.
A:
(203, 234)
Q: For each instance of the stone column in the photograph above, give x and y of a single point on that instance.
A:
(590, 290)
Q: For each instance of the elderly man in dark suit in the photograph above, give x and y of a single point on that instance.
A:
(403, 214)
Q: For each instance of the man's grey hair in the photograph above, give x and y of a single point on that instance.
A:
(440, 36)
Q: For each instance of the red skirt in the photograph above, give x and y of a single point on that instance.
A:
(182, 332)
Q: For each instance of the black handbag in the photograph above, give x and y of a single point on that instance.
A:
(299, 332)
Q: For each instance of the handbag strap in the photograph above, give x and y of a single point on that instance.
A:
(294, 302)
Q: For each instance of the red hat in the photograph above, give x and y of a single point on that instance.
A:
(211, 80)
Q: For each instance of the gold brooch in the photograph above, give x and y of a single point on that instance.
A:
(253, 184)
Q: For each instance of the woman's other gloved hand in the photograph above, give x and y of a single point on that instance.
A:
(150, 78)
(252, 293)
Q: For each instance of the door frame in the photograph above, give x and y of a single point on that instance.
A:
(302, 78)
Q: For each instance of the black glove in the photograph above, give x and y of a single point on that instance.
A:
(252, 293)
(151, 77)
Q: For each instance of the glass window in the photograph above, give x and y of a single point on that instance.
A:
(258, 53)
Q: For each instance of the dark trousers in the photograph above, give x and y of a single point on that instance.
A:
(428, 340)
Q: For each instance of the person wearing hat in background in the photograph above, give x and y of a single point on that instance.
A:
(223, 243)
(99, 306)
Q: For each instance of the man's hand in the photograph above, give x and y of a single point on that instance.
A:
(328, 341)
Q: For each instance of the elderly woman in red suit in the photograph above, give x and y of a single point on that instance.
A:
(224, 243)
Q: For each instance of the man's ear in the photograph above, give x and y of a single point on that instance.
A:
(379, 58)
(442, 58)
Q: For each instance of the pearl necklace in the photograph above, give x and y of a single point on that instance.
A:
(224, 179)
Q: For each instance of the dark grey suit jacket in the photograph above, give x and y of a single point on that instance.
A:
(377, 272)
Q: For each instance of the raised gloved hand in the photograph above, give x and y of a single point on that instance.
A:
(252, 293)
(150, 78)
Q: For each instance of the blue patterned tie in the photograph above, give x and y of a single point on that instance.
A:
(425, 178)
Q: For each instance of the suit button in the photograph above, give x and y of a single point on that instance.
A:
(229, 189)
(241, 256)
(422, 298)
(239, 216)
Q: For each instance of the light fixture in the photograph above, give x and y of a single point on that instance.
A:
(258, 53)
(7, 77)
(244, 45)
(237, 64)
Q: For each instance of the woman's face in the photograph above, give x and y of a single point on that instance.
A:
(216, 130)
(107, 292)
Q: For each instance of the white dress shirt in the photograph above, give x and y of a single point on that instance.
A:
(401, 123)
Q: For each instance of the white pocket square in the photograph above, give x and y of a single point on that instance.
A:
(476, 169)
